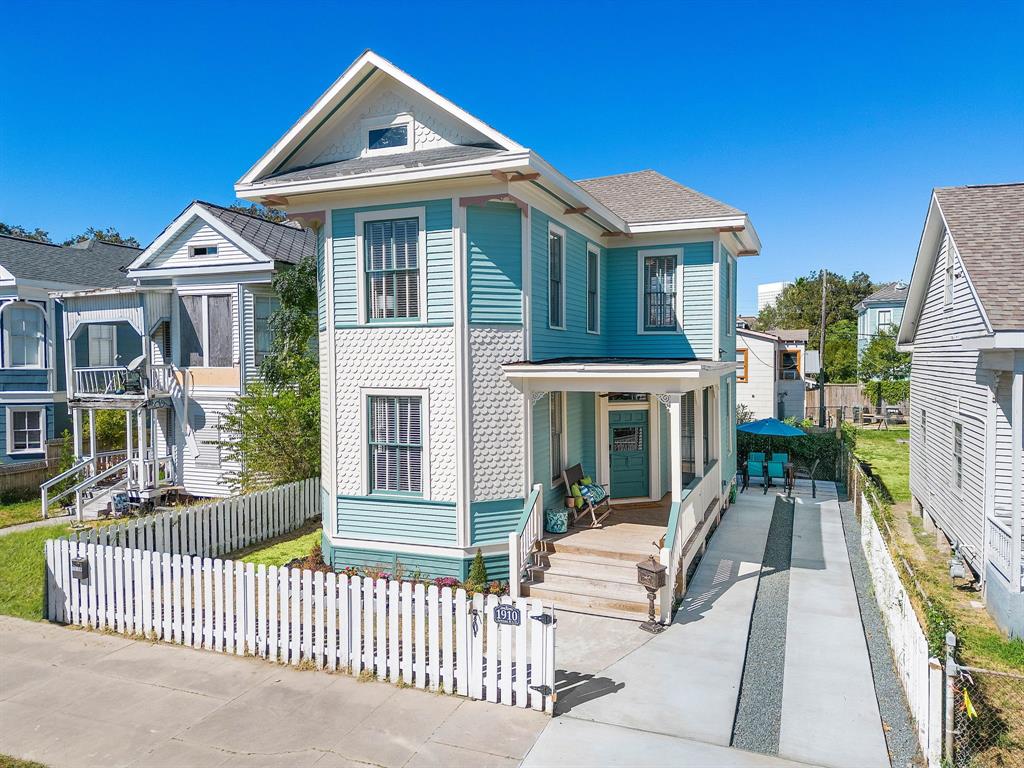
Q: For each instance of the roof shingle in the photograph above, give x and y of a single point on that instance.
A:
(92, 263)
(649, 196)
(280, 242)
(986, 223)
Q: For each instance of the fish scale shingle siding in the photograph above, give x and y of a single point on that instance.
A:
(948, 385)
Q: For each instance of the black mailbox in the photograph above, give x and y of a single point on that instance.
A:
(650, 574)
(80, 568)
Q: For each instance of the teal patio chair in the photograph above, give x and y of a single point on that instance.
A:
(775, 470)
(754, 468)
(783, 457)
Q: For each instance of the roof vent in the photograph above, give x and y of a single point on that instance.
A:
(900, 285)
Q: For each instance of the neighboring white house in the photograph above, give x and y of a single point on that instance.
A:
(196, 318)
(768, 293)
(964, 323)
(771, 377)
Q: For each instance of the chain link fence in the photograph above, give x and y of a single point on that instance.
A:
(987, 719)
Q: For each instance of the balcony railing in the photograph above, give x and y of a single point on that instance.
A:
(118, 381)
(1001, 554)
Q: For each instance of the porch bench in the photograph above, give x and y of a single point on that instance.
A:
(598, 512)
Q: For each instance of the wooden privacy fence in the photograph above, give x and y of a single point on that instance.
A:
(217, 528)
(498, 649)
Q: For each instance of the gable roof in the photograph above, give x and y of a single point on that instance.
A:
(986, 223)
(790, 334)
(643, 196)
(91, 262)
(889, 293)
(416, 159)
(278, 241)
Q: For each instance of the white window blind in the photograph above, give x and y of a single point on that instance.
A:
(392, 269)
(101, 345)
(660, 293)
(396, 444)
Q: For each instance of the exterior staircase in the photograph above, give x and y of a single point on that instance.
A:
(589, 576)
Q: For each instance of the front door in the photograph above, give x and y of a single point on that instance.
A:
(628, 454)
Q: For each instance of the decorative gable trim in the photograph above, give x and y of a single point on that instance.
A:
(358, 73)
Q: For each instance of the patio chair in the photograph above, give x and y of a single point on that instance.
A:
(598, 510)
(783, 457)
(753, 468)
(776, 470)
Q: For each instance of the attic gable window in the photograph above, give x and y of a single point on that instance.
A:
(201, 251)
(387, 135)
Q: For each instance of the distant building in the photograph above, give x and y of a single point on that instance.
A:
(770, 379)
(768, 293)
(881, 311)
(746, 322)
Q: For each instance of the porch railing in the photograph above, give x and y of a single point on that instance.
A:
(685, 534)
(1000, 553)
(115, 381)
(524, 538)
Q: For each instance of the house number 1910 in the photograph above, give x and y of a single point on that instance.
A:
(507, 614)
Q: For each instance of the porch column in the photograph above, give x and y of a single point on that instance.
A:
(142, 448)
(675, 445)
(154, 444)
(698, 432)
(92, 441)
(1017, 432)
(76, 428)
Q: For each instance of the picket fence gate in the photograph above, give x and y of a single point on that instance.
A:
(429, 637)
(921, 676)
(217, 528)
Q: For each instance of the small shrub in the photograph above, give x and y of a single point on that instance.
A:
(478, 571)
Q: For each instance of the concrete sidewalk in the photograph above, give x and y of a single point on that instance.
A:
(76, 698)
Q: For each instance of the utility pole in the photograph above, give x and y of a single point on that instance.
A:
(821, 353)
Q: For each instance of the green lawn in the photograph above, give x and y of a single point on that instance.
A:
(19, 512)
(283, 550)
(6, 761)
(22, 570)
(889, 459)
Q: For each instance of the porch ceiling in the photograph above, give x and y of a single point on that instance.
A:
(616, 374)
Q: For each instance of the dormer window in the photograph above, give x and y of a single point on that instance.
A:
(386, 135)
(201, 251)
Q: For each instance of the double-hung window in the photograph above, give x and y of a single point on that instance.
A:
(743, 373)
(789, 364)
(102, 345)
(392, 264)
(25, 327)
(958, 455)
(556, 278)
(396, 444)
(660, 292)
(27, 430)
(262, 308)
(884, 320)
(557, 461)
(593, 290)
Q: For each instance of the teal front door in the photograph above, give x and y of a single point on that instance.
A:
(628, 454)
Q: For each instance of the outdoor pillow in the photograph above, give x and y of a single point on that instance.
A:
(586, 480)
(595, 494)
(577, 495)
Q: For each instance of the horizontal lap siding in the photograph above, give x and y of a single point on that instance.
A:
(758, 391)
(198, 233)
(698, 305)
(429, 566)
(494, 245)
(1003, 475)
(581, 433)
(726, 325)
(384, 519)
(25, 379)
(947, 383)
(439, 260)
(321, 281)
(492, 521)
(727, 412)
(542, 453)
(573, 340)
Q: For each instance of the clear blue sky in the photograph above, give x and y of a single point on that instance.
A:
(829, 123)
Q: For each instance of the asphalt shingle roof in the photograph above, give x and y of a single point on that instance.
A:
(887, 294)
(987, 225)
(356, 165)
(649, 196)
(280, 242)
(91, 263)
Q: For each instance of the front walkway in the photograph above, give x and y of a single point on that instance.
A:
(75, 698)
(673, 697)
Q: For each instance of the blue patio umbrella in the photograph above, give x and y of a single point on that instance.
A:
(770, 428)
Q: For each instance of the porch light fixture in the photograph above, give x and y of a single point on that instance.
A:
(650, 574)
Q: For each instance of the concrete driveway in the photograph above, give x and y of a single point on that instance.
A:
(76, 698)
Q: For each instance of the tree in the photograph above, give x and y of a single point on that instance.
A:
(743, 414)
(36, 234)
(799, 306)
(883, 368)
(275, 425)
(841, 352)
(259, 211)
(108, 235)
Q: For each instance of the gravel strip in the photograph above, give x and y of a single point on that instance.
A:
(759, 709)
(900, 735)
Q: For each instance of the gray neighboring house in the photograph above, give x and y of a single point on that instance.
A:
(964, 323)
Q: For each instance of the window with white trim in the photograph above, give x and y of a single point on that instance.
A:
(27, 430)
(387, 135)
(392, 266)
(556, 278)
(263, 338)
(102, 345)
(884, 320)
(593, 290)
(395, 432)
(556, 430)
(25, 331)
(958, 455)
(660, 293)
(206, 331)
(202, 251)
(730, 297)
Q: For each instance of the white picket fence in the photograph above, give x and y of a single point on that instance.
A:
(217, 528)
(920, 675)
(422, 635)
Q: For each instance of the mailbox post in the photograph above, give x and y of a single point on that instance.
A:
(651, 576)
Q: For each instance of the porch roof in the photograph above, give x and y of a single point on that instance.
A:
(619, 374)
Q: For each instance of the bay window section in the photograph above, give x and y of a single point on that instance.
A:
(392, 265)
(395, 432)
(25, 330)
